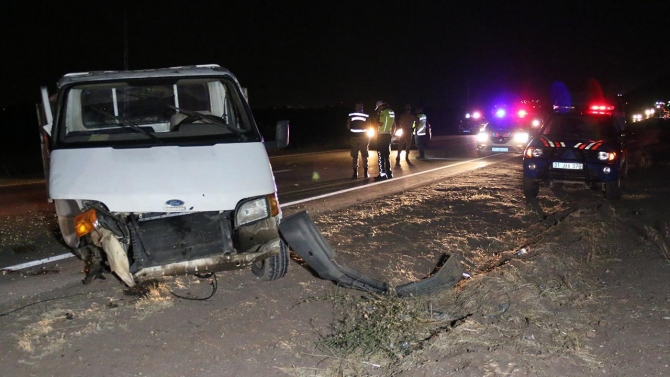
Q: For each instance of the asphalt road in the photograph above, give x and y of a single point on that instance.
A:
(315, 182)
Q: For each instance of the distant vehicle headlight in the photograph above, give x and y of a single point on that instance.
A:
(371, 132)
(521, 137)
(536, 123)
(482, 136)
(398, 132)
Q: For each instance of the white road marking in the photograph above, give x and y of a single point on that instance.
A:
(37, 262)
(282, 171)
(395, 179)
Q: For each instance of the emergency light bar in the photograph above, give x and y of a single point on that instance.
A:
(600, 109)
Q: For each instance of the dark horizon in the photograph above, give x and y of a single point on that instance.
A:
(302, 54)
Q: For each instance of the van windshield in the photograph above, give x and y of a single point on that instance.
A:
(170, 111)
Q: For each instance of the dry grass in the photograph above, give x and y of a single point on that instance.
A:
(660, 236)
(51, 330)
(375, 332)
(155, 297)
(532, 305)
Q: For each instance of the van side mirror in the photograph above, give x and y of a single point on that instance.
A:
(281, 136)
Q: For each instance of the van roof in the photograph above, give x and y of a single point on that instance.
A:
(192, 70)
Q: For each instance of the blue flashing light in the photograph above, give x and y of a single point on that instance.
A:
(500, 113)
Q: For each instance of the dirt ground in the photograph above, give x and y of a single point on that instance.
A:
(566, 285)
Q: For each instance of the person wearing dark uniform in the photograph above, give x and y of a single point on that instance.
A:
(357, 124)
(386, 127)
(422, 133)
(406, 123)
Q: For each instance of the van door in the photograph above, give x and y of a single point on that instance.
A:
(45, 123)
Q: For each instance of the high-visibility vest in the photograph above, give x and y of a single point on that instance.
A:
(421, 127)
(386, 120)
(358, 123)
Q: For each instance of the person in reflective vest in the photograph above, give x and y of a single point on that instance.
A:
(406, 123)
(357, 124)
(422, 132)
(386, 127)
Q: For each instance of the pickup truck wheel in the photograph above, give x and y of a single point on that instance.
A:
(613, 190)
(273, 268)
(530, 188)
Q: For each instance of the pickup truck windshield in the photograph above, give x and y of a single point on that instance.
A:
(171, 111)
(581, 127)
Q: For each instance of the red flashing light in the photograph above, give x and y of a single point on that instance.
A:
(601, 109)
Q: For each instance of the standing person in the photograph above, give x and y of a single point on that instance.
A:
(386, 127)
(406, 122)
(357, 126)
(422, 132)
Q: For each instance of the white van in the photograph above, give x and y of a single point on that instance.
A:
(161, 172)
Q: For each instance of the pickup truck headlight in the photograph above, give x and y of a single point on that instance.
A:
(532, 152)
(257, 209)
(606, 156)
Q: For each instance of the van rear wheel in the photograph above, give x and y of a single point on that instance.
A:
(274, 267)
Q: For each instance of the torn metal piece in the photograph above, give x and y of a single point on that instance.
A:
(301, 234)
(117, 257)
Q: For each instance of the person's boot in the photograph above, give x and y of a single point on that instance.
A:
(355, 173)
(407, 156)
(365, 173)
(389, 174)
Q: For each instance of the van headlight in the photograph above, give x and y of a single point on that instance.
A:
(256, 209)
(521, 137)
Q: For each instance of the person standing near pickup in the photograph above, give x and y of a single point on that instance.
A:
(357, 124)
(385, 128)
(406, 123)
(422, 133)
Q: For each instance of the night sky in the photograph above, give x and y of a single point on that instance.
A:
(321, 53)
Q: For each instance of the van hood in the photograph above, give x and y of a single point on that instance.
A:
(163, 178)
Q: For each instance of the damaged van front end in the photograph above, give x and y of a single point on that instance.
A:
(161, 172)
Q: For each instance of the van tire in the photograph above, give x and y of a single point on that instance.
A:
(274, 267)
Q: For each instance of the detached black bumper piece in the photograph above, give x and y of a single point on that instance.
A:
(301, 234)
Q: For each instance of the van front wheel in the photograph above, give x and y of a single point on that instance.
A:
(274, 267)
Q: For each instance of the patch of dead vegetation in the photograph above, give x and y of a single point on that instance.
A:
(51, 329)
(660, 237)
(529, 296)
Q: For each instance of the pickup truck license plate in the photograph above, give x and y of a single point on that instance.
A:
(499, 149)
(568, 165)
